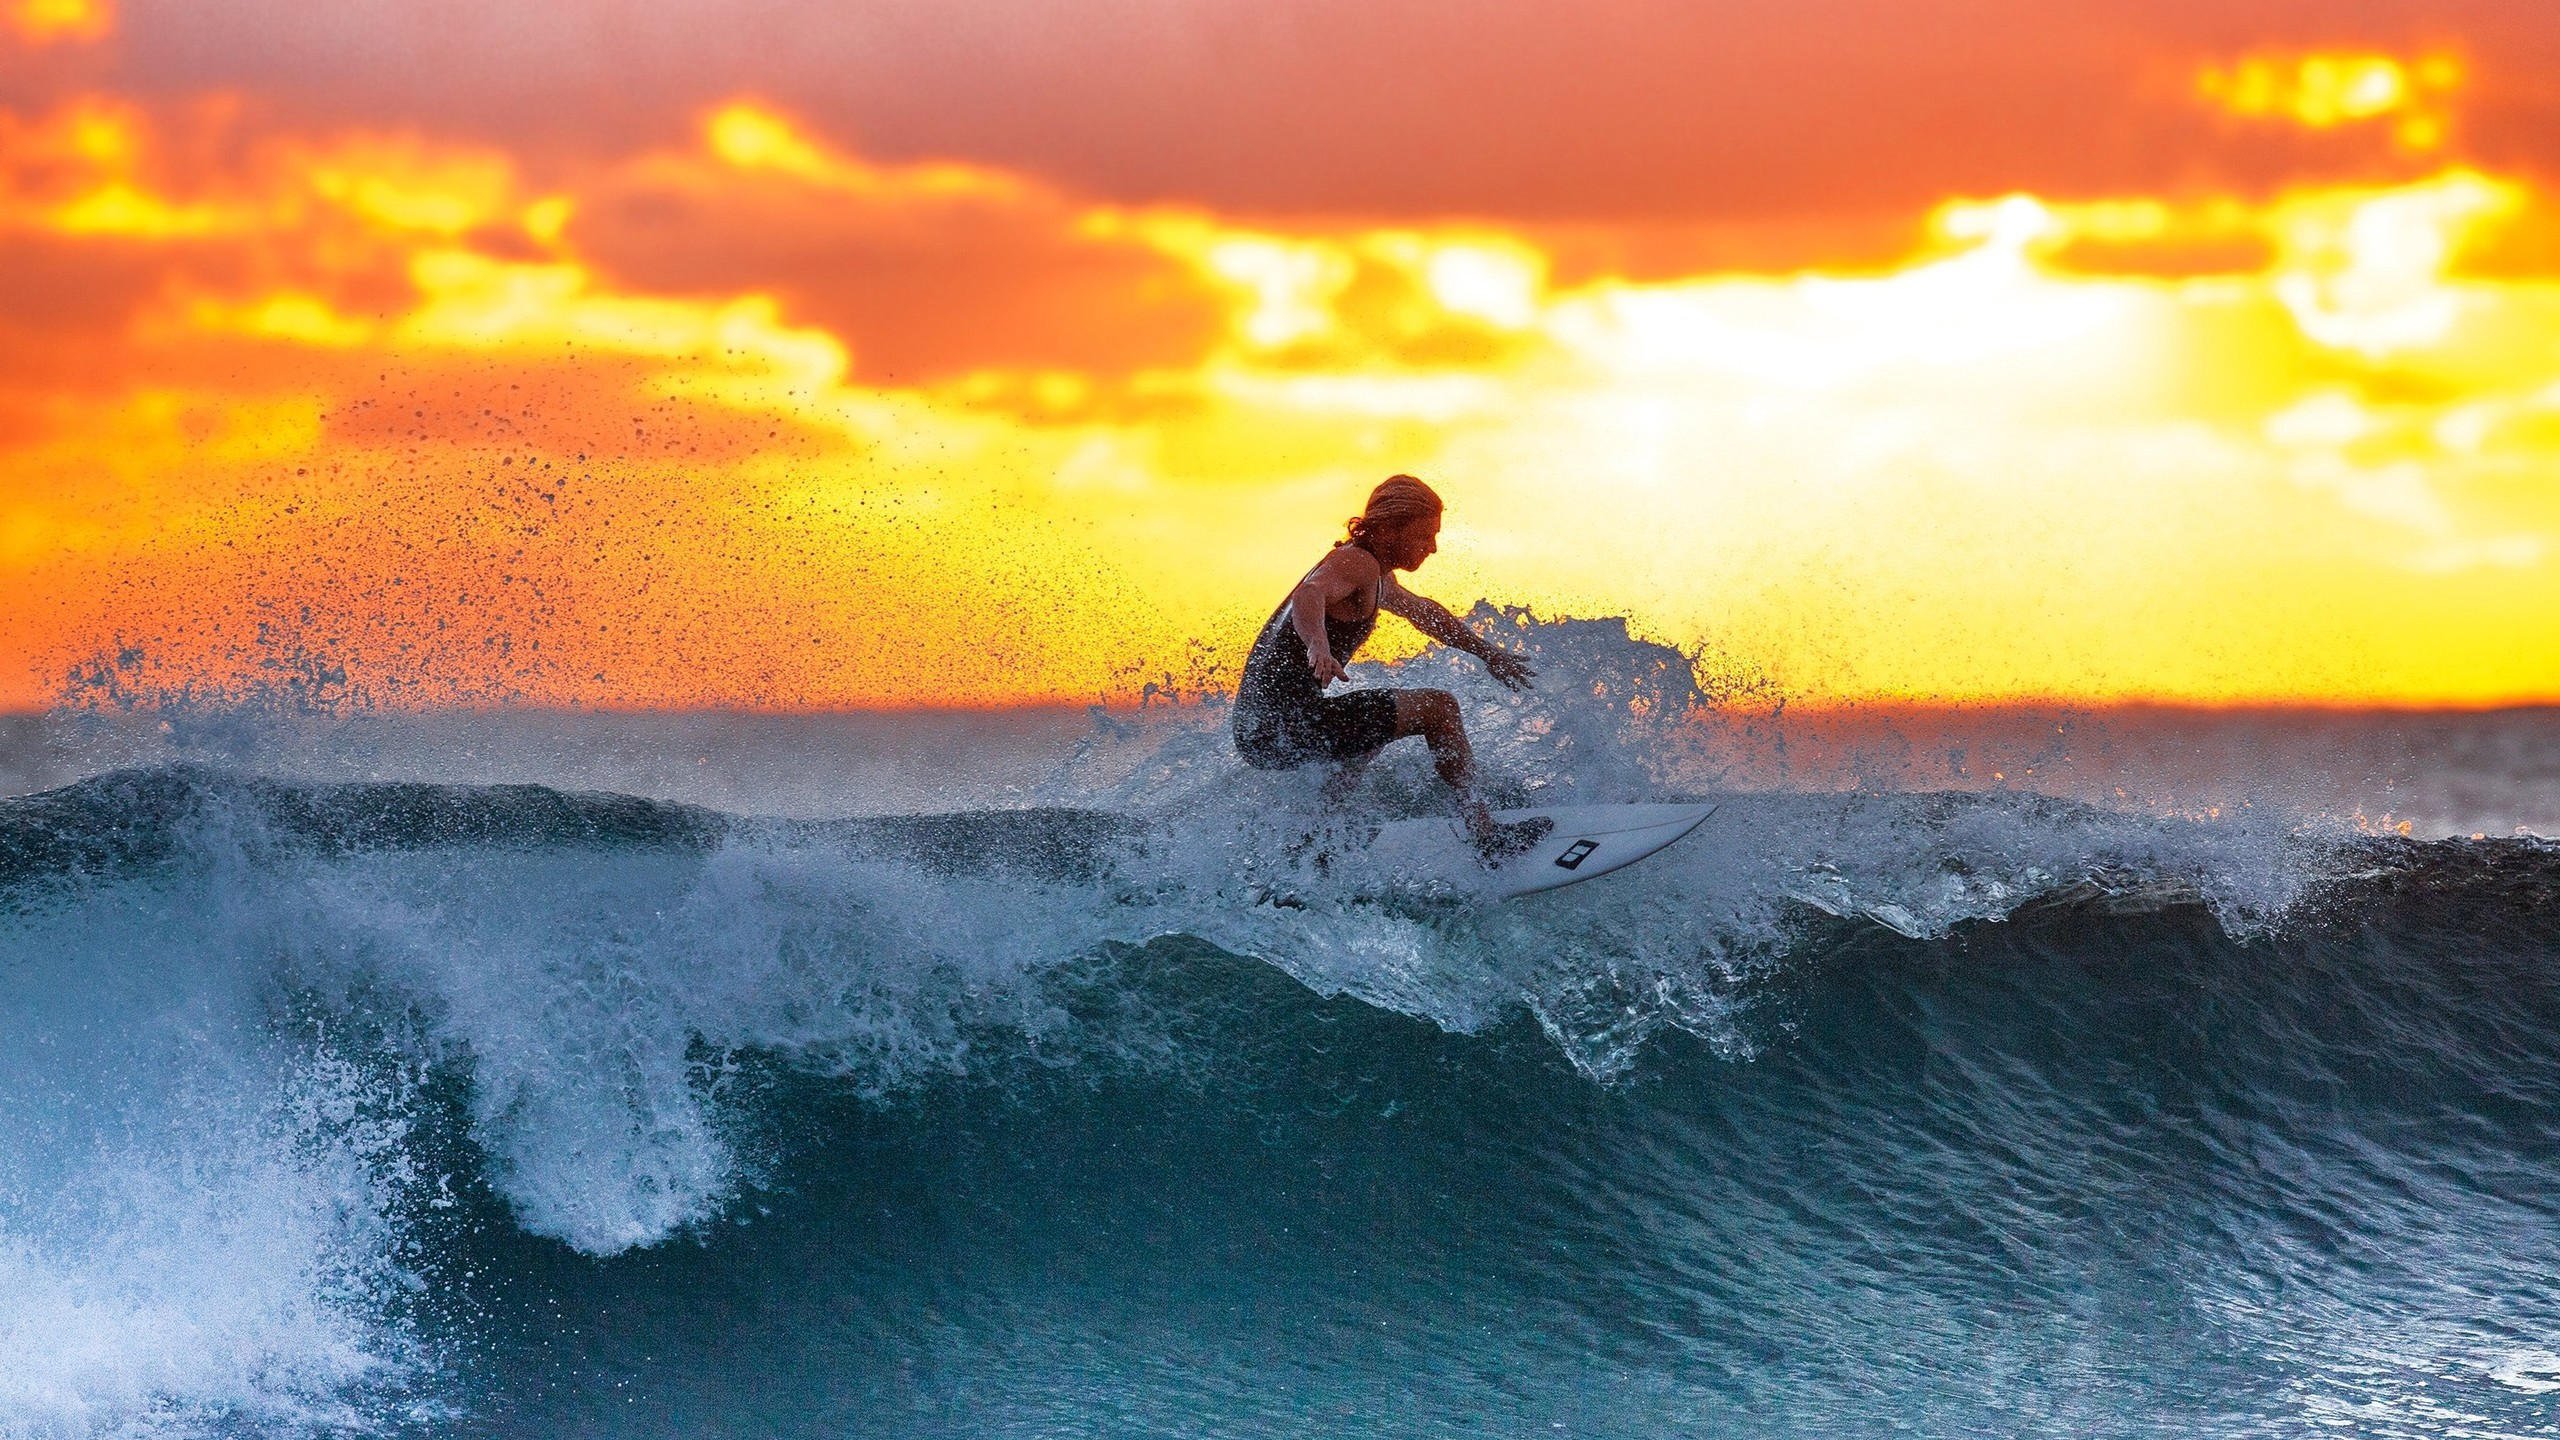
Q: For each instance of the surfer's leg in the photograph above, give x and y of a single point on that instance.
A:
(1433, 715)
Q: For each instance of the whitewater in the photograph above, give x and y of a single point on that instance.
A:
(532, 1074)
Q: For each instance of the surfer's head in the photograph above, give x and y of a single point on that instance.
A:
(1400, 524)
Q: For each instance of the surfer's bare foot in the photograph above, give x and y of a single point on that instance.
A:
(1497, 840)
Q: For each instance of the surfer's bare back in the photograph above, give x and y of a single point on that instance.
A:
(1283, 718)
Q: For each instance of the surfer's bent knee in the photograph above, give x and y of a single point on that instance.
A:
(1425, 711)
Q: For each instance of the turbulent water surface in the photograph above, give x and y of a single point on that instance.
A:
(590, 1076)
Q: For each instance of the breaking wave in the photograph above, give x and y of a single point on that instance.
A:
(1822, 1116)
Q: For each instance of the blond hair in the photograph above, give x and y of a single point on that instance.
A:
(1397, 499)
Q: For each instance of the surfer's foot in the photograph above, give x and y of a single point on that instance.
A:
(1497, 841)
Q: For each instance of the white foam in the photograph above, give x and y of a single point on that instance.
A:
(195, 1232)
(2535, 1372)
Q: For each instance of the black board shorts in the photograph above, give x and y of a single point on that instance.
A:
(1304, 730)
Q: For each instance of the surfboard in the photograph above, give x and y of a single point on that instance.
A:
(1588, 841)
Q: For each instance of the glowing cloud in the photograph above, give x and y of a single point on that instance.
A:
(748, 416)
(2324, 91)
(755, 137)
(46, 22)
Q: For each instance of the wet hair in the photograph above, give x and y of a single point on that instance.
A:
(1397, 499)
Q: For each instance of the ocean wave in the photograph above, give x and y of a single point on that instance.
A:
(192, 956)
(295, 1068)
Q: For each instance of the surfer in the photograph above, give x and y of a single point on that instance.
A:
(1283, 718)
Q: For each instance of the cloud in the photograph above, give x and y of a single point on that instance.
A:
(2322, 91)
(57, 22)
(725, 408)
(1623, 110)
(927, 271)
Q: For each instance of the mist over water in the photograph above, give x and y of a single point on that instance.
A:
(1999, 1072)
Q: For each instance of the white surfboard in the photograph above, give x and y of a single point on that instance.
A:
(1587, 841)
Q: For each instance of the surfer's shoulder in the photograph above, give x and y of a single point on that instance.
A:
(1352, 563)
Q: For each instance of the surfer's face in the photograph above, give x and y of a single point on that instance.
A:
(1406, 546)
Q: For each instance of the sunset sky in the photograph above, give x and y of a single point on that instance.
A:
(727, 352)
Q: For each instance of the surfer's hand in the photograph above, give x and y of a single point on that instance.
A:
(1327, 669)
(1510, 669)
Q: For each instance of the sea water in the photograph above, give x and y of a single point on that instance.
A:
(2005, 1072)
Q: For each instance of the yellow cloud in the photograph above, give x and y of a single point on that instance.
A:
(751, 136)
(1408, 297)
(402, 185)
(2326, 90)
(81, 171)
(46, 22)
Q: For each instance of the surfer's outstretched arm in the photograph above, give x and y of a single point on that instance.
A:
(1433, 619)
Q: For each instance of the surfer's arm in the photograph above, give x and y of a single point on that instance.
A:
(1333, 580)
(1433, 619)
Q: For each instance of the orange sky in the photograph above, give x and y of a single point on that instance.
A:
(715, 352)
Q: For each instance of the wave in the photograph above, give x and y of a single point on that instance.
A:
(294, 1068)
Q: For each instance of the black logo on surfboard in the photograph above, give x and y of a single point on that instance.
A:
(1575, 853)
